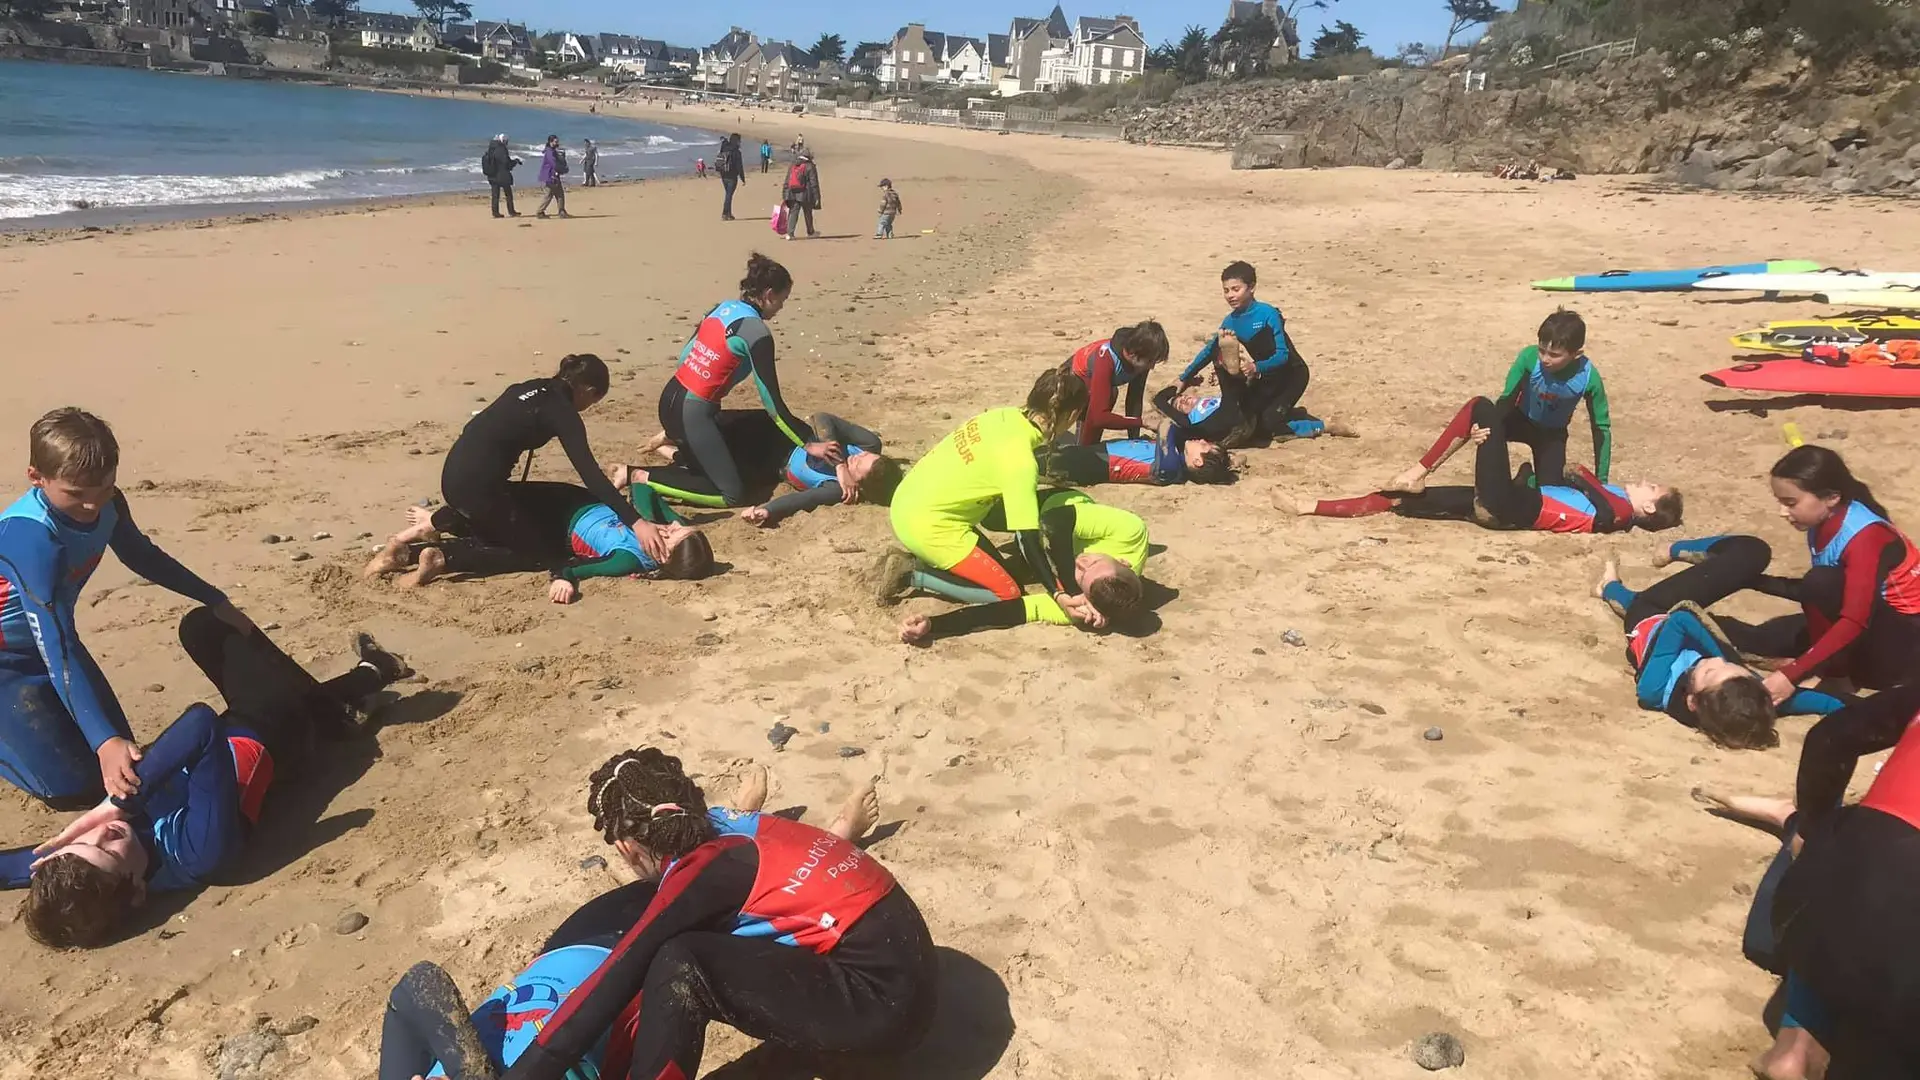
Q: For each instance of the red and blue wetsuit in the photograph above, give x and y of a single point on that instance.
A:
(1123, 461)
(784, 930)
(813, 479)
(56, 708)
(1104, 370)
(1861, 601)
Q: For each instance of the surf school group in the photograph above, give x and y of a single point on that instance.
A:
(1000, 519)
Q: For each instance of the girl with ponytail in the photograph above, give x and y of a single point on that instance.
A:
(1860, 600)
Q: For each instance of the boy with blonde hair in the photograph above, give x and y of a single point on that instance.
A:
(63, 737)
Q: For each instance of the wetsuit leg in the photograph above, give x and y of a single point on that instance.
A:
(983, 571)
(1081, 465)
(830, 428)
(1511, 504)
(427, 1021)
(704, 473)
(1759, 944)
(1729, 566)
(266, 691)
(483, 508)
(1549, 445)
(1433, 504)
(1274, 397)
(42, 751)
(605, 918)
(1451, 439)
(873, 995)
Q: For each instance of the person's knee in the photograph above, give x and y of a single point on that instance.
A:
(425, 983)
(1753, 553)
(199, 626)
(1823, 590)
(1485, 413)
(674, 975)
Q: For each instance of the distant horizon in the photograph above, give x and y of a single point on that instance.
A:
(1387, 24)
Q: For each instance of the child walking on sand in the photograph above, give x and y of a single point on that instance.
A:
(889, 209)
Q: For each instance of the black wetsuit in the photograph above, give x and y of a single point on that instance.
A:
(477, 478)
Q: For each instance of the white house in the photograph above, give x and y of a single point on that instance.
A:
(378, 31)
(716, 61)
(1108, 50)
(579, 49)
(965, 62)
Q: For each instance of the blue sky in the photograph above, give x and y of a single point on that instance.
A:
(1387, 23)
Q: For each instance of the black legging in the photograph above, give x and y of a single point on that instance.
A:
(427, 1021)
(726, 456)
(1271, 398)
(483, 506)
(267, 692)
(541, 508)
(1733, 563)
(1549, 445)
(1505, 498)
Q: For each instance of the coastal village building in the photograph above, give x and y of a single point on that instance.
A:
(965, 62)
(716, 61)
(1028, 42)
(378, 31)
(1286, 46)
(579, 49)
(507, 43)
(1107, 51)
(157, 14)
(914, 60)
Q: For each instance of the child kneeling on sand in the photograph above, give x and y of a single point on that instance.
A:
(585, 531)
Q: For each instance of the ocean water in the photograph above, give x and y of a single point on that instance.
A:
(120, 143)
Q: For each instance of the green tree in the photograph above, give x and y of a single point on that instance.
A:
(438, 12)
(1186, 58)
(1464, 14)
(830, 49)
(1244, 47)
(1340, 39)
(334, 11)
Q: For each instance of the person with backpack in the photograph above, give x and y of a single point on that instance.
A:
(766, 156)
(802, 195)
(733, 172)
(553, 166)
(497, 165)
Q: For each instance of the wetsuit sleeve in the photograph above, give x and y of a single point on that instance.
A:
(766, 379)
(832, 428)
(1163, 403)
(612, 564)
(1601, 416)
(1136, 403)
(1201, 359)
(1271, 320)
(209, 823)
(999, 615)
(142, 556)
(16, 868)
(1100, 416)
(1835, 745)
(651, 506)
(1860, 569)
(1611, 513)
(786, 505)
(31, 560)
(1812, 703)
(1170, 457)
(567, 426)
(1516, 376)
(1057, 527)
(706, 890)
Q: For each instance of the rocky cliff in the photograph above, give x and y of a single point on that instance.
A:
(1728, 119)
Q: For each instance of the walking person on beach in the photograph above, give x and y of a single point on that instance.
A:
(766, 156)
(497, 165)
(889, 210)
(733, 172)
(802, 195)
(589, 159)
(553, 166)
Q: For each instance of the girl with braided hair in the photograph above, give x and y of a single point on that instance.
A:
(791, 934)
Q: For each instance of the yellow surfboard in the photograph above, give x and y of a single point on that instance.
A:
(1791, 336)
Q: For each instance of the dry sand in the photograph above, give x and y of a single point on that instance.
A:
(1200, 853)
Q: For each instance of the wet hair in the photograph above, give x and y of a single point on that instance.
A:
(1737, 714)
(883, 481)
(1242, 271)
(690, 560)
(1564, 330)
(1147, 342)
(1822, 472)
(1667, 511)
(1058, 396)
(73, 904)
(1117, 595)
(763, 274)
(72, 444)
(645, 797)
(1216, 467)
(584, 371)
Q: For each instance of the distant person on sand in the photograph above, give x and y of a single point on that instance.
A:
(802, 195)
(586, 540)
(733, 172)
(889, 210)
(589, 163)
(497, 165)
(202, 785)
(766, 155)
(700, 168)
(553, 166)
(837, 964)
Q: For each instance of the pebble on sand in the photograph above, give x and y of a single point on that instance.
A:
(1293, 638)
(1434, 734)
(853, 751)
(273, 538)
(156, 688)
(299, 1025)
(593, 862)
(1437, 1051)
(780, 734)
(301, 556)
(350, 922)
(244, 1056)
(323, 536)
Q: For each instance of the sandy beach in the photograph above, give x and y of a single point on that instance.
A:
(1200, 852)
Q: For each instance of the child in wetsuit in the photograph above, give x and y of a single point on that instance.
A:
(63, 737)
(1545, 384)
(1173, 458)
(1271, 391)
(202, 784)
(862, 475)
(1125, 359)
(1685, 663)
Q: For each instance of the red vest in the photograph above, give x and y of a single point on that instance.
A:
(812, 885)
(1896, 790)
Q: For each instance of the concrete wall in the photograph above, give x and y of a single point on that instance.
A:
(978, 121)
(97, 57)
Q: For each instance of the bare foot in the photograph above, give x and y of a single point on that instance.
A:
(657, 444)
(1794, 1055)
(620, 474)
(858, 815)
(419, 517)
(1609, 573)
(1411, 482)
(433, 563)
(753, 789)
(1299, 505)
(1753, 809)
(1340, 429)
(755, 515)
(1662, 553)
(393, 558)
(891, 576)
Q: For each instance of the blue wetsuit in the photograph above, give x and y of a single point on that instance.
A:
(1263, 332)
(1269, 400)
(56, 708)
(1124, 461)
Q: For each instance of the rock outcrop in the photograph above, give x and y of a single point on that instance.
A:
(1731, 120)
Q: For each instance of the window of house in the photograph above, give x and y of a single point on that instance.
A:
(1106, 57)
